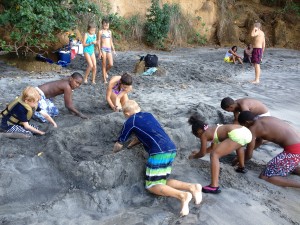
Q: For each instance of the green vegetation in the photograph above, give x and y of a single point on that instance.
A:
(31, 24)
(288, 6)
(158, 24)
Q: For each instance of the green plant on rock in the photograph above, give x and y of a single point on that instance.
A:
(32, 25)
(157, 24)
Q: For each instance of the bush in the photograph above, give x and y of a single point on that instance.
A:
(158, 24)
(33, 24)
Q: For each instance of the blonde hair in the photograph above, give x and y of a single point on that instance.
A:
(30, 94)
(130, 106)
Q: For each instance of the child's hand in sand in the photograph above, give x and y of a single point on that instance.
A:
(83, 116)
(117, 147)
(193, 155)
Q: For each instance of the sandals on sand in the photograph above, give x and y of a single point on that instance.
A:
(211, 190)
(241, 170)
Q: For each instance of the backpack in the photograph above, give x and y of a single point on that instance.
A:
(151, 60)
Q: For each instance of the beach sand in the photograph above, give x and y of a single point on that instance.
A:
(71, 176)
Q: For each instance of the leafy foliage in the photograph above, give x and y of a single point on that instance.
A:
(33, 24)
(288, 6)
(158, 24)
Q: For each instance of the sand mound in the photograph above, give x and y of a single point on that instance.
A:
(71, 176)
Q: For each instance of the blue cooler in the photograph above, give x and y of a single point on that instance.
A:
(65, 56)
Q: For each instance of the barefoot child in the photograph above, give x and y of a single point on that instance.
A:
(244, 104)
(232, 56)
(106, 46)
(281, 133)
(89, 43)
(16, 116)
(162, 152)
(58, 87)
(225, 139)
(117, 90)
(259, 45)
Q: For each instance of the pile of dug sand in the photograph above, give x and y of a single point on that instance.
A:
(71, 176)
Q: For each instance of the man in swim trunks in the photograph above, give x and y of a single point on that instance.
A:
(244, 104)
(258, 49)
(281, 133)
(51, 89)
(162, 152)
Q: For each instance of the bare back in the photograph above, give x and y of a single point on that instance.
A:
(275, 130)
(252, 105)
(54, 88)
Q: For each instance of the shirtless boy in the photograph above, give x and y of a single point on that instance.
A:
(244, 104)
(258, 45)
(51, 89)
(281, 133)
(162, 152)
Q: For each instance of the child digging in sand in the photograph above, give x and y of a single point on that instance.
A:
(281, 133)
(244, 104)
(162, 152)
(16, 116)
(225, 139)
(117, 90)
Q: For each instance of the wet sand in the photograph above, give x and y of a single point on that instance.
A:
(78, 180)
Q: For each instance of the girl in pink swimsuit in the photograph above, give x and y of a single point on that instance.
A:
(117, 90)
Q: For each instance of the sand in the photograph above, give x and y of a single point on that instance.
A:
(71, 176)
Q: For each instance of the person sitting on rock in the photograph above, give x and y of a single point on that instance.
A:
(54, 88)
(16, 116)
(231, 56)
(162, 152)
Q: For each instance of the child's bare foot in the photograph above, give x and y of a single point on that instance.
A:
(196, 190)
(93, 82)
(85, 82)
(185, 204)
(255, 82)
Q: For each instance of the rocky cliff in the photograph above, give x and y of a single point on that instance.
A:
(227, 22)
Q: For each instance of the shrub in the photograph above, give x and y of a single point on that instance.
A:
(33, 24)
(157, 24)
